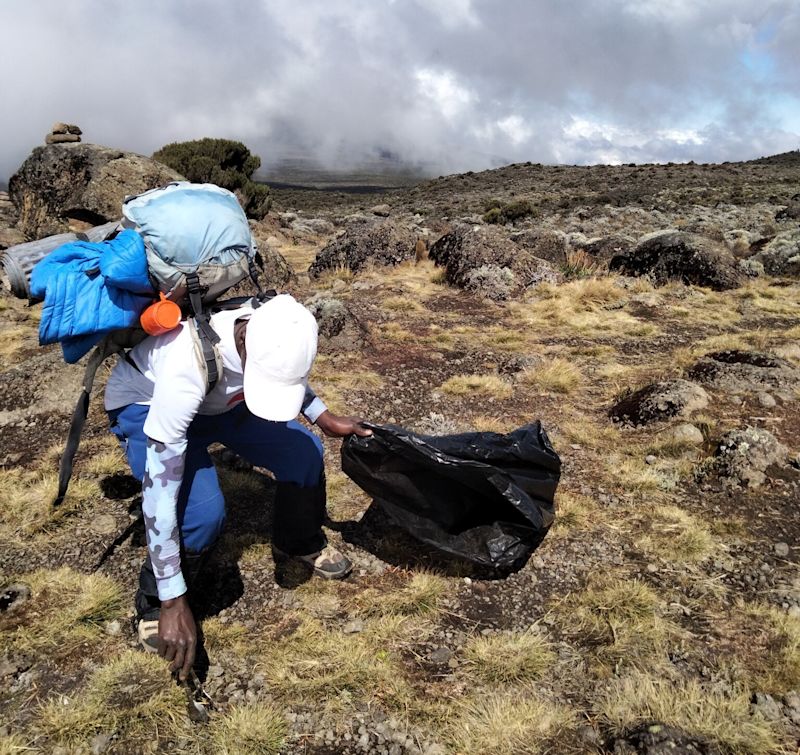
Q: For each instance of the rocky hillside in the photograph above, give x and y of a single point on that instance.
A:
(649, 316)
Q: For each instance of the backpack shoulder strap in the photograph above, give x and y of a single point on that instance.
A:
(104, 349)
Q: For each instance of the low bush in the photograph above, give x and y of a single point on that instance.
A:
(223, 162)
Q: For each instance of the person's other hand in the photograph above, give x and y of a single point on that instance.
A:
(335, 426)
(177, 635)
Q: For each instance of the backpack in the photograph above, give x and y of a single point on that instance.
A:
(197, 245)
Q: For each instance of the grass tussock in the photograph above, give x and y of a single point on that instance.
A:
(635, 475)
(420, 596)
(574, 512)
(515, 657)
(677, 536)
(253, 729)
(345, 498)
(13, 744)
(477, 385)
(770, 639)
(509, 723)
(723, 717)
(12, 340)
(402, 305)
(26, 499)
(556, 375)
(315, 664)
(619, 622)
(133, 696)
(65, 610)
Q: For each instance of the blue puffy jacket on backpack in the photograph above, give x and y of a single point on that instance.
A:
(90, 289)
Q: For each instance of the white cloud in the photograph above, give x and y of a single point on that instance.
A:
(462, 84)
(443, 91)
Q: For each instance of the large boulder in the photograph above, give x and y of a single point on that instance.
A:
(62, 187)
(546, 245)
(339, 328)
(385, 244)
(746, 371)
(744, 456)
(660, 402)
(686, 257)
(606, 248)
(781, 255)
(484, 259)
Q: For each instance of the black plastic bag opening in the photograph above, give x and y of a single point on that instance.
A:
(482, 498)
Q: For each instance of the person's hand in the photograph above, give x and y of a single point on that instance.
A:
(335, 426)
(177, 635)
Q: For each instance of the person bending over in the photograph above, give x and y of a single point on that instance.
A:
(158, 409)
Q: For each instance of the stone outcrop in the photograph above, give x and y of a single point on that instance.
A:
(746, 371)
(744, 456)
(385, 244)
(660, 402)
(73, 186)
(781, 255)
(676, 255)
(475, 254)
(339, 329)
(546, 245)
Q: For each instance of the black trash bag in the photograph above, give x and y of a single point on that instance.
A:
(484, 498)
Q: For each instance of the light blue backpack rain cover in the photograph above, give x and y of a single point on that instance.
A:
(191, 242)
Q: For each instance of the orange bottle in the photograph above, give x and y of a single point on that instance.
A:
(160, 317)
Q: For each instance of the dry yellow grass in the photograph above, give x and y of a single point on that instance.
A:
(133, 696)
(252, 729)
(620, 623)
(675, 535)
(481, 385)
(13, 744)
(12, 340)
(574, 512)
(26, 501)
(509, 657)
(723, 717)
(776, 668)
(65, 610)
(314, 665)
(421, 595)
(555, 374)
(517, 722)
(402, 305)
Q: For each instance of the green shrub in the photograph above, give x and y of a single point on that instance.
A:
(223, 162)
(500, 213)
(494, 215)
(518, 210)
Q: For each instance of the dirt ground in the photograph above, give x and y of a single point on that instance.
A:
(662, 609)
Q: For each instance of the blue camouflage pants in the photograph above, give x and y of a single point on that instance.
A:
(290, 451)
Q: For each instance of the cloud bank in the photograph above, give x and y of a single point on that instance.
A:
(450, 85)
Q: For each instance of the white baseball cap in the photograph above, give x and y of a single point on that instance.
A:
(281, 344)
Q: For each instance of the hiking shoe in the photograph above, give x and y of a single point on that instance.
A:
(148, 635)
(329, 563)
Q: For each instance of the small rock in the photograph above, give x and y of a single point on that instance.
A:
(767, 706)
(781, 550)
(353, 627)
(537, 562)
(766, 400)
(381, 210)
(686, 434)
(113, 628)
(650, 459)
(440, 655)
(100, 743)
(215, 672)
(104, 524)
